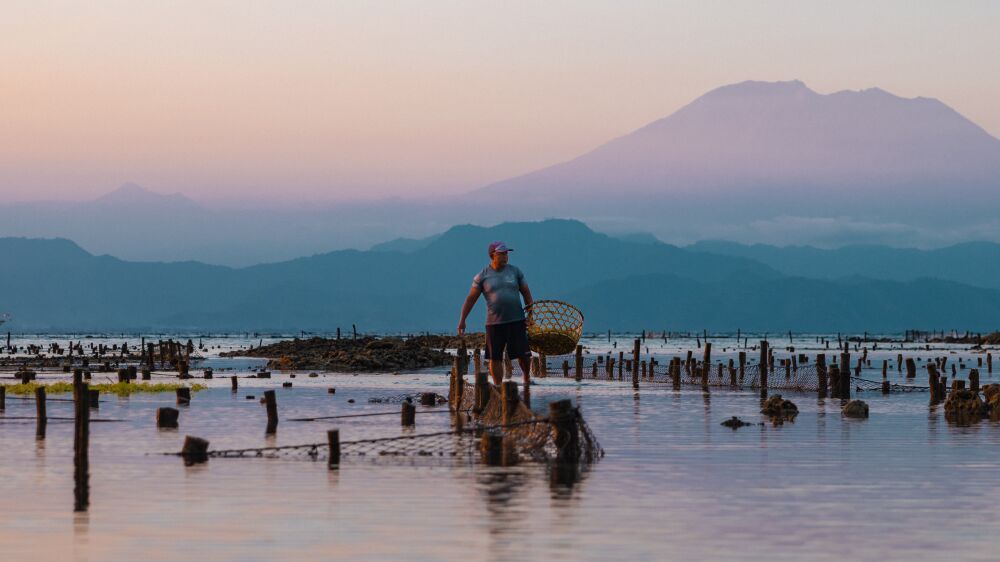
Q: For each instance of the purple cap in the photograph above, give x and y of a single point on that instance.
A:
(499, 246)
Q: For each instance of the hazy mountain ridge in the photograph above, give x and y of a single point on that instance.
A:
(55, 285)
(972, 263)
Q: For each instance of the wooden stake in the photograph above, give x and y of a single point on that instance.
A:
(763, 368)
(41, 417)
(333, 445)
(81, 454)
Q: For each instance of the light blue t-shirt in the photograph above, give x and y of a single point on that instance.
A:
(502, 290)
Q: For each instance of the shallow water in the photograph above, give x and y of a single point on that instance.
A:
(673, 484)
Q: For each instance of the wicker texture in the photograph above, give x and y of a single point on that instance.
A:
(554, 327)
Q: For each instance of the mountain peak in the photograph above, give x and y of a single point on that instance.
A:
(757, 88)
(131, 194)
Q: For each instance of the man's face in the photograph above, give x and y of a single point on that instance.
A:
(499, 259)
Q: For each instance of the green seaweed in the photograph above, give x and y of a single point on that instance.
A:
(118, 388)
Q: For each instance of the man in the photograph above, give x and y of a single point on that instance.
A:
(503, 285)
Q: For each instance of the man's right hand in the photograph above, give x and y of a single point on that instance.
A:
(461, 328)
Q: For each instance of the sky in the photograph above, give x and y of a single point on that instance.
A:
(327, 100)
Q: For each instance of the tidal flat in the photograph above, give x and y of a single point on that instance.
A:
(674, 483)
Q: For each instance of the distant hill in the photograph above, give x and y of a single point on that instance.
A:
(55, 285)
(972, 263)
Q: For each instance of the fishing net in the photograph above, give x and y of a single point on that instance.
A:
(494, 428)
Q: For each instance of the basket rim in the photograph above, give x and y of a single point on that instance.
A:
(578, 311)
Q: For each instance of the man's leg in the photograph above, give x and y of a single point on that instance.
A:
(496, 371)
(525, 363)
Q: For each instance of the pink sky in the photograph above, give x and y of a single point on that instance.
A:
(334, 100)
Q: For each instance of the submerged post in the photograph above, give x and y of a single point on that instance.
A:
(195, 450)
(271, 402)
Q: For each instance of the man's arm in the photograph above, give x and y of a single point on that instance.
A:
(526, 293)
(470, 301)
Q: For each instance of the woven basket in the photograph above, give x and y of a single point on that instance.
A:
(554, 327)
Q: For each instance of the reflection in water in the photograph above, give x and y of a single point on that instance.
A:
(563, 477)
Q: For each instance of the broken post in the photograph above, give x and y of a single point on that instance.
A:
(408, 417)
(195, 450)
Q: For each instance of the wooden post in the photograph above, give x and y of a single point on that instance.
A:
(81, 453)
(565, 368)
(3, 397)
(271, 402)
(885, 368)
(195, 450)
(989, 362)
(562, 418)
(183, 396)
(41, 417)
(763, 368)
(453, 396)
(675, 374)
(911, 368)
(579, 362)
(482, 391)
(234, 383)
(706, 365)
(621, 363)
(409, 414)
(636, 350)
(743, 363)
(845, 376)
(510, 401)
(974, 380)
(333, 446)
(821, 384)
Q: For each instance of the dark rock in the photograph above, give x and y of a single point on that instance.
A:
(855, 409)
(779, 409)
(735, 423)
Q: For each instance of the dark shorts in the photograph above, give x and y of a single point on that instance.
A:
(509, 336)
